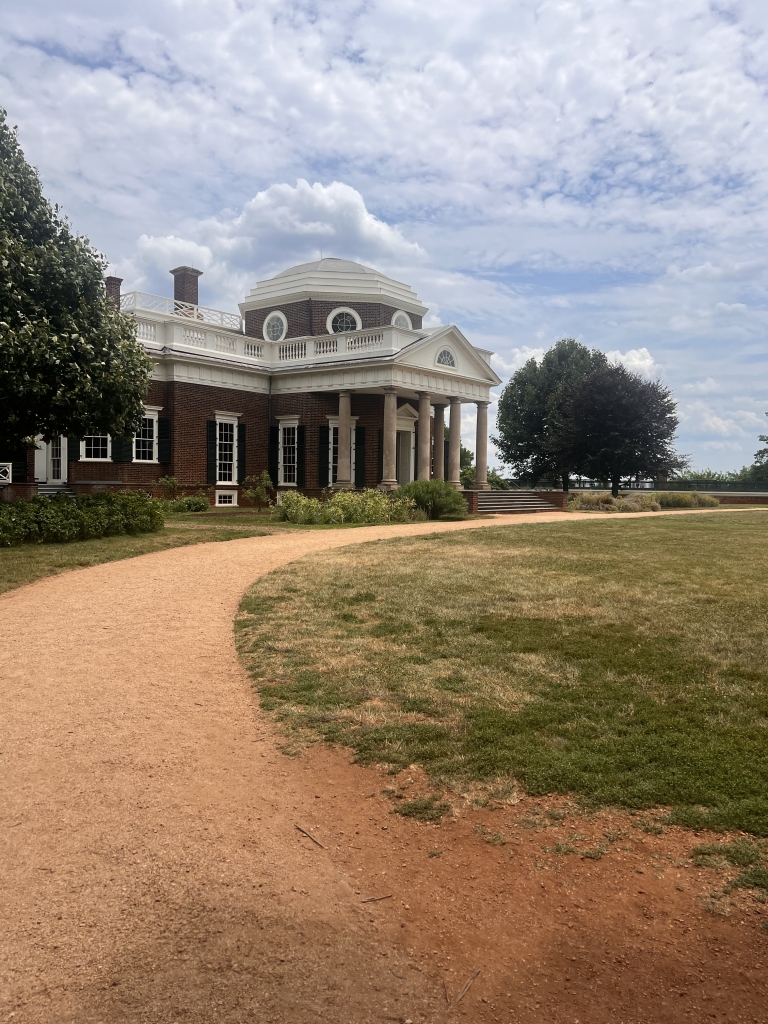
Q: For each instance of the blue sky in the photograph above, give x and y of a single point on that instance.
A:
(594, 169)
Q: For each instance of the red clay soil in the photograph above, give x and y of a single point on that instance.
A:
(152, 869)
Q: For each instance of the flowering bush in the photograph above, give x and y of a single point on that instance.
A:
(369, 506)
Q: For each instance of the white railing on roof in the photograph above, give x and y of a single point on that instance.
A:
(6, 473)
(173, 307)
(360, 342)
(326, 347)
(292, 350)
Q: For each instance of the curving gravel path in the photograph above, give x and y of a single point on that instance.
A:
(150, 869)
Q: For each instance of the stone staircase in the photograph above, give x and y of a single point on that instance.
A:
(50, 490)
(512, 503)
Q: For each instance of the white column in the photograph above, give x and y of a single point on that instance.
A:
(481, 448)
(423, 461)
(438, 450)
(345, 436)
(389, 479)
(454, 444)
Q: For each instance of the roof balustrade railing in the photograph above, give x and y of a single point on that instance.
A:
(173, 307)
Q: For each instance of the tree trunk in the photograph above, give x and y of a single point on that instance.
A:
(566, 482)
(615, 486)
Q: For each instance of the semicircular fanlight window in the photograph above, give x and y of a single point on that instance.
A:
(445, 358)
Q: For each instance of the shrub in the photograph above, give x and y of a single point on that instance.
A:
(686, 499)
(436, 498)
(369, 506)
(58, 520)
(638, 501)
(169, 487)
(192, 503)
(259, 488)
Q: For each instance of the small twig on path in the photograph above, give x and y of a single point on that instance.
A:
(375, 899)
(469, 981)
(447, 997)
(305, 833)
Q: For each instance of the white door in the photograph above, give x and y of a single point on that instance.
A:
(51, 461)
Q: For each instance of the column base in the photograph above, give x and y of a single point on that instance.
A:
(481, 487)
(342, 485)
(387, 485)
(457, 484)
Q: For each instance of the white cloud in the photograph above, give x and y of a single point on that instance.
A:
(615, 191)
(703, 387)
(638, 360)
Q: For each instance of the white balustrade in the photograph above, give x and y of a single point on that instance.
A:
(145, 331)
(6, 473)
(224, 344)
(193, 337)
(362, 342)
(326, 346)
(253, 349)
(292, 350)
(173, 307)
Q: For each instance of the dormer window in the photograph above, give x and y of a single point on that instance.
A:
(446, 358)
(343, 322)
(402, 320)
(275, 326)
(343, 319)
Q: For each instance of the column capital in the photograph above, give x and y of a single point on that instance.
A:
(483, 401)
(453, 400)
(389, 389)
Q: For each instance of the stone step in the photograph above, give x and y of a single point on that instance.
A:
(512, 503)
(49, 490)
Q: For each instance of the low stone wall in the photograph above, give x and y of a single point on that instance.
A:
(12, 492)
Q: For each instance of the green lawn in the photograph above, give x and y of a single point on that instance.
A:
(622, 661)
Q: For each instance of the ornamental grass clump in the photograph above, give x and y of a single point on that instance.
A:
(436, 498)
(345, 507)
(61, 519)
(686, 499)
(605, 502)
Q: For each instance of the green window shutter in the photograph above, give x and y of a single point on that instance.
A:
(211, 467)
(273, 454)
(163, 440)
(240, 452)
(359, 456)
(122, 449)
(301, 456)
(73, 449)
(19, 466)
(323, 469)
(381, 454)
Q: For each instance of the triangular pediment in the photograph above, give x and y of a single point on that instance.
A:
(433, 352)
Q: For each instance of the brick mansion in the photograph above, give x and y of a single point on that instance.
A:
(326, 377)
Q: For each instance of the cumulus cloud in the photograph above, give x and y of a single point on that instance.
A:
(638, 360)
(527, 191)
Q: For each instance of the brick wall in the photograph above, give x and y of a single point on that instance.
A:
(309, 316)
(313, 411)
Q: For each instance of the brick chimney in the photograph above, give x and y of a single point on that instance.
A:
(185, 284)
(113, 289)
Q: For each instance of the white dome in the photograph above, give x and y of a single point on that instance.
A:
(332, 279)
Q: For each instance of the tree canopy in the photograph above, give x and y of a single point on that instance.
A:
(532, 401)
(69, 361)
(613, 424)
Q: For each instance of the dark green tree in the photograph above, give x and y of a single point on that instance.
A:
(530, 402)
(69, 361)
(614, 424)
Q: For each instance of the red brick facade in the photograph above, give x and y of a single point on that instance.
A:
(309, 316)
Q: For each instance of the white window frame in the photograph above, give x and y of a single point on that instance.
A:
(267, 318)
(109, 449)
(231, 421)
(333, 424)
(150, 413)
(231, 495)
(286, 421)
(444, 366)
(335, 312)
(401, 312)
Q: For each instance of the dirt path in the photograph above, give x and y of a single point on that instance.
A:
(151, 868)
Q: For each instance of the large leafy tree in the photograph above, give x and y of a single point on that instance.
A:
(69, 361)
(614, 424)
(532, 400)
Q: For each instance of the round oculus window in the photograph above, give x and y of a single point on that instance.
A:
(274, 328)
(445, 358)
(343, 322)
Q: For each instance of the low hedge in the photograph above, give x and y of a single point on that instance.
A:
(639, 501)
(60, 519)
(192, 503)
